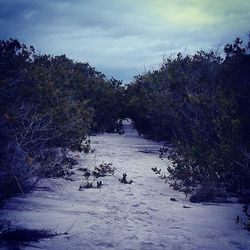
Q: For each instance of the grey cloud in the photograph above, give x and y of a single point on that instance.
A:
(122, 37)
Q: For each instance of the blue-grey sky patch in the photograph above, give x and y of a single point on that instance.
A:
(123, 38)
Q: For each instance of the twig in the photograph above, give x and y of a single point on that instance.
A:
(18, 184)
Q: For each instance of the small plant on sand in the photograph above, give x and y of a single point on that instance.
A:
(124, 179)
(103, 169)
(90, 183)
(86, 184)
(247, 222)
(99, 184)
(86, 146)
(91, 177)
(156, 170)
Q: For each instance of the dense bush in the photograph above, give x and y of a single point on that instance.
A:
(83, 85)
(48, 104)
(200, 104)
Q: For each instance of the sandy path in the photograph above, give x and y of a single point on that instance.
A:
(119, 216)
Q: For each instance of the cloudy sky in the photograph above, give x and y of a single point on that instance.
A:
(123, 38)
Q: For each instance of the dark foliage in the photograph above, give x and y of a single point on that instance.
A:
(200, 104)
(18, 237)
(48, 104)
(91, 176)
(124, 179)
(103, 169)
(247, 213)
(246, 223)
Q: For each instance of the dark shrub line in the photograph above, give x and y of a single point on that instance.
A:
(201, 105)
(49, 104)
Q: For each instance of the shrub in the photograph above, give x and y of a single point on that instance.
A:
(48, 103)
(200, 104)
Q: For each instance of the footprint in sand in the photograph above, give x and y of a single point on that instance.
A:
(132, 237)
(129, 194)
(152, 209)
(135, 205)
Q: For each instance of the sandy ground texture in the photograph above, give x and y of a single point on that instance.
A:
(120, 216)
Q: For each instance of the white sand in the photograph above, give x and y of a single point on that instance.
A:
(119, 216)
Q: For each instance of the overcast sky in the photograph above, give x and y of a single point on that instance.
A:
(123, 38)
